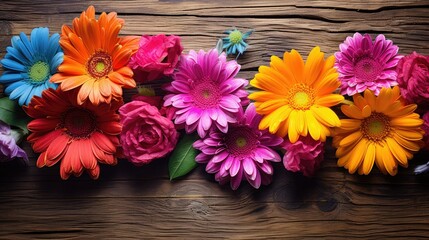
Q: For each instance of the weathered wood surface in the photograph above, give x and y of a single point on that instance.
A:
(130, 202)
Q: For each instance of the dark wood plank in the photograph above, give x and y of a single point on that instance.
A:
(131, 202)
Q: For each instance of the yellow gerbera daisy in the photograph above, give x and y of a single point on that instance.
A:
(296, 97)
(381, 129)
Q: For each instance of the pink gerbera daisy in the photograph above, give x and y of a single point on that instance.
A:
(205, 92)
(242, 153)
(364, 64)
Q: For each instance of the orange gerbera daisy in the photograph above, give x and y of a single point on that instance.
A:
(95, 58)
(296, 97)
(381, 129)
(79, 136)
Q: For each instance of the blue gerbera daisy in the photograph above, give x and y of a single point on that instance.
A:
(235, 42)
(30, 63)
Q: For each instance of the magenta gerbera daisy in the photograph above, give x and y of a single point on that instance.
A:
(244, 152)
(364, 64)
(206, 92)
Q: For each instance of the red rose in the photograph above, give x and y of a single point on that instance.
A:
(413, 78)
(156, 57)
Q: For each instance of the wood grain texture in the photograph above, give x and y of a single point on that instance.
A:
(131, 202)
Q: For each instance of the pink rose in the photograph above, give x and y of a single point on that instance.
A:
(168, 112)
(304, 156)
(413, 78)
(156, 57)
(156, 101)
(146, 135)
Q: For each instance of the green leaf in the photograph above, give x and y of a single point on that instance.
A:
(12, 114)
(182, 160)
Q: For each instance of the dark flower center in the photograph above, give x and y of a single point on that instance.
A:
(99, 65)
(78, 123)
(206, 94)
(240, 141)
(368, 69)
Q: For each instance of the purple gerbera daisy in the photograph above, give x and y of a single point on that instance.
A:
(205, 92)
(364, 64)
(243, 152)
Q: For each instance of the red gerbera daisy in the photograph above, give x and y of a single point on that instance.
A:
(79, 136)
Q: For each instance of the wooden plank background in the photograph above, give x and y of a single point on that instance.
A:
(131, 202)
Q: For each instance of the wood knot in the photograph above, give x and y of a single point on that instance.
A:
(327, 204)
(199, 210)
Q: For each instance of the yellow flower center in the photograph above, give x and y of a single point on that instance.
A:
(241, 142)
(301, 97)
(206, 94)
(235, 36)
(99, 65)
(376, 127)
(39, 72)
